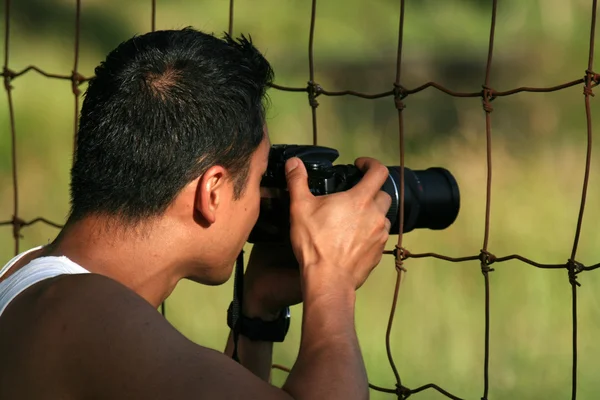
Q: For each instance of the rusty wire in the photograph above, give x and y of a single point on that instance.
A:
(399, 93)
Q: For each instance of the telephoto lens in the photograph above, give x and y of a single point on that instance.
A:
(431, 196)
(431, 199)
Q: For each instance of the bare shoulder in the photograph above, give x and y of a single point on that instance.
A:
(89, 336)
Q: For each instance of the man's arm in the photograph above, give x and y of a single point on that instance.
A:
(329, 349)
(255, 355)
(329, 360)
(271, 283)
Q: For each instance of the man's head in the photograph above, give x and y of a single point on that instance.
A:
(169, 115)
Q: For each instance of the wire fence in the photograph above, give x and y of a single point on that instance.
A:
(398, 93)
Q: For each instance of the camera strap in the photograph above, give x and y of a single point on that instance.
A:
(236, 309)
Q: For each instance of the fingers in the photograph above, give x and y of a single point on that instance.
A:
(383, 201)
(375, 175)
(388, 226)
(297, 179)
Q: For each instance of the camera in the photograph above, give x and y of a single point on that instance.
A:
(431, 196)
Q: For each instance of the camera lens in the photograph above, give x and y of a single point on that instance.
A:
(431, 196)
(431, 199)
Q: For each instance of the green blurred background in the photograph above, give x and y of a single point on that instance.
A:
(538, 163)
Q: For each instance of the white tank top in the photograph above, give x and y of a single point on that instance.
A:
(32, 273)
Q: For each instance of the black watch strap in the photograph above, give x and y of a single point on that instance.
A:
(258, 329)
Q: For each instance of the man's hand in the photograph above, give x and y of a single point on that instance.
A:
(339, 236)
(338, 239)
(272, 279)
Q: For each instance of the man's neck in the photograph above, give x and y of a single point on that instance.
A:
(142, 259)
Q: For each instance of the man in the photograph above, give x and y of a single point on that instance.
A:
(165, 185)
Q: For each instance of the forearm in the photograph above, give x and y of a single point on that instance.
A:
(329, 364)
(256, 356)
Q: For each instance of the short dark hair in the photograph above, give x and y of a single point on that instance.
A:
(162, 109)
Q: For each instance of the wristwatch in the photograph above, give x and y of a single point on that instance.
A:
(258, 329)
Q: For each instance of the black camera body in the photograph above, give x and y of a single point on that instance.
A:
(431, 197)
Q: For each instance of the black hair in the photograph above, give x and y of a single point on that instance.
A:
(162, 109)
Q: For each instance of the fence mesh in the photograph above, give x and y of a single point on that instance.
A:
(398, 93)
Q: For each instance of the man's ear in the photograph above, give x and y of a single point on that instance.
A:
(211, 192)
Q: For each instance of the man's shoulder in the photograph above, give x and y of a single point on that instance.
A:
(83, 336)
(68, 310)
(73, 308)
(71, 330)
(51, 331)
(74, 297)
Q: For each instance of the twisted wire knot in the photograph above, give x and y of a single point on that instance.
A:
(402, 392)
(573, 268)
(399, 95)
(17, 224)
(9, 75)
(591, 76)
(400, 254)
(486, 259)
(314, 90)
(399, 265)
(76, 80)
(591, 80)
(487, 96)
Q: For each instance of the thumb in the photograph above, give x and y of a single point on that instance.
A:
(297, 179)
